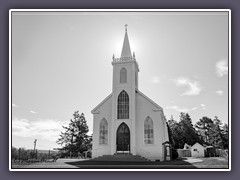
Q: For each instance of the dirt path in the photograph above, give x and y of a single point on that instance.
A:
(60, 163)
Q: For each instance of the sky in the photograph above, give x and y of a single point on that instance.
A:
(61, 63)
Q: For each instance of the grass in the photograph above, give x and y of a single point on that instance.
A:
(207, 163)
(213, 162)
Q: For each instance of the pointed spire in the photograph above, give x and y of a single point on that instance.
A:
(126, 51)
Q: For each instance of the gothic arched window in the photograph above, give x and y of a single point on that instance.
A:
(123, 106)
(123, 75)
(148, 131)
(103, 132)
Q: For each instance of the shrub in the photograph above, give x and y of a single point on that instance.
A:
(174, 154)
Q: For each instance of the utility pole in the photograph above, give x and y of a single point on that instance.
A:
(35, 142)
(34, 148)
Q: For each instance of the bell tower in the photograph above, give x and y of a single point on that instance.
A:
(125, 83)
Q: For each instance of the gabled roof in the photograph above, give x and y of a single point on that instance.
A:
(148, 99)
(197, 144)
(137, 91)
(187, 146)
(101, 103)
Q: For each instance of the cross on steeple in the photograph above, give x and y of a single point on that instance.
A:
(126, 27)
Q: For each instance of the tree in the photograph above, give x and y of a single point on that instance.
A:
(210, 131)
(175, 133)
(225, 135)
(74, 139)
(183, 131)
(14, 154)
(170, 134)
(218, 137)
(222, 130)
(189, 133)
(203, 126)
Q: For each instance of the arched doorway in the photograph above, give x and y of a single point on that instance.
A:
(123, 139)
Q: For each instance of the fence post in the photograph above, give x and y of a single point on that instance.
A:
(19, 153)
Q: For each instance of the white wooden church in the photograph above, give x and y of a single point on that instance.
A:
(127, 121)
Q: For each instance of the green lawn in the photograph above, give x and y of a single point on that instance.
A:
(212, 162)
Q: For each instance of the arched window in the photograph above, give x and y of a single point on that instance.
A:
(123, 75)
(103, 132)
(123, 106)
(148, 131)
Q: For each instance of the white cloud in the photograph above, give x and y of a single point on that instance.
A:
(203, 106)
(46, 129)
(155, 80)
(194, 87)
(181, 109)
(14, 105)
(172, 107)
(32, 112)
(219, 92)
(194, 108)
(222, 68)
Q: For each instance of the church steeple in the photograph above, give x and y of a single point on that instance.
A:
(126, 55)
(126, 51)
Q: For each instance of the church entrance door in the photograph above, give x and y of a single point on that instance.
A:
(123, 139)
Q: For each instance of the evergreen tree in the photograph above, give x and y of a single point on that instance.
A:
(170, 134)
(218, 137)
(14, 154)
(211, 131)
(189, 133)
(222, 130)
(225, 135)
(203, 126)
(176, 133)
(74, 139)
(183, 131)
(206, 130)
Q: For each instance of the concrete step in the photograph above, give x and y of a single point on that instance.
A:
(121, 157)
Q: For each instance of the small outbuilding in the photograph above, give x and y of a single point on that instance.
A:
(197, 150)
(186, 146)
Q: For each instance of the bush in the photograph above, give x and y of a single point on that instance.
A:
(174, 154)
